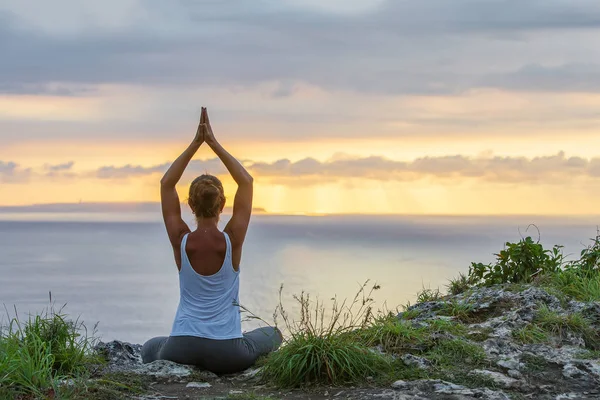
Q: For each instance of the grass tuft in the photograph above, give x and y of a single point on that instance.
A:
(530, 334)
(324, 348)
(562, 324)
(334, 360)
(454, 352)
(37, 354)
(459, 285)
(428, 294)
(461, 310)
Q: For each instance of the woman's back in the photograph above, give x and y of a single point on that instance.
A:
(209, 294)
(206, 251)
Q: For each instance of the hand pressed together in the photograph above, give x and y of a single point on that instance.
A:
(205, 132)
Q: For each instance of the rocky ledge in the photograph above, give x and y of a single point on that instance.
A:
(536, 344)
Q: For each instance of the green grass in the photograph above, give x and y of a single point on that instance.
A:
(530, 334)
(534, 363)
(409, 314)
(428, 294)
(324, 348)
(562, 324)
(461, 310)
(112, 386)
(454, 352)
(40, 352)
(589, 355)
(336, 360)
(575, 285)
(480, 335)
(400, 337)
(459, 285)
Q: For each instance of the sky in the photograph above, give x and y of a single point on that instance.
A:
(334, 106)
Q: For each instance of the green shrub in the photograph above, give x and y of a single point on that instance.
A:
(518, 263)
(589, 260)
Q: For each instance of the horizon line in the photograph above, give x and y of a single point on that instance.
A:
(148, 206)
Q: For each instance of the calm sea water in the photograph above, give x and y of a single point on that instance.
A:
(119, 271)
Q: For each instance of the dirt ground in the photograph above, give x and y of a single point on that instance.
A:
(242, 391)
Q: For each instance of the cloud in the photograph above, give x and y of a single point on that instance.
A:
(63, 170)
(534, 77)
(11, 172)
(195, 168)
(60, 167)
(553, 169)
(399, 47)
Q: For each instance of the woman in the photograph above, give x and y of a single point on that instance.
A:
(207, 328)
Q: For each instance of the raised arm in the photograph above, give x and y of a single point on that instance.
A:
(242, 205)
(171, 207)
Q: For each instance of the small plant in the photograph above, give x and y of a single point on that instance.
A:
(459, 285)
(589, 261)
(428, 294)
(461, 310)
(530, 334)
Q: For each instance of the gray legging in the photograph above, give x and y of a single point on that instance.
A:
(218, 356)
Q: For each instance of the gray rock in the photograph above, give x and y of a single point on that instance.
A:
(249, 374)
(572, 372)
(120, 355)
(401, 385)
(164, 369)
(414, 361)
(438, 389)
(509, 363)
(497, 377)
(513, 373)
(198, 385)
(447, 387)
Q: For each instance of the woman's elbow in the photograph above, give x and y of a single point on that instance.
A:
(165, 182)
(247, 181)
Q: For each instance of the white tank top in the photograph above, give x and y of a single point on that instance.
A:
(208, 305)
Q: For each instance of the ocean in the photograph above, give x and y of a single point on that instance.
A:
(117, 270)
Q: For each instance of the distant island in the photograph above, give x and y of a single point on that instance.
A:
(97, 207)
